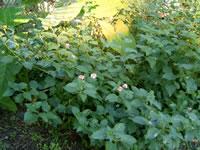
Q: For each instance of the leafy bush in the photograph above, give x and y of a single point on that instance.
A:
(147, 98)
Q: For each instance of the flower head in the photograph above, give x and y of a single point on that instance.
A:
(67, 45)
(189, 108)
(81, 77)
(125, 86)
(120, 89)
(93, 76)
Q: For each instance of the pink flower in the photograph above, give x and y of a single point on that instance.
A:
(67, 46)
(189, 108)
(125, 86)
(120, 89)
(81, 77)
(93, 76)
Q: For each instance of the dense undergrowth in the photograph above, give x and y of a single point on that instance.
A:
(130, 81)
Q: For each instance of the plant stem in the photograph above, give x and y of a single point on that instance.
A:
(7, 4)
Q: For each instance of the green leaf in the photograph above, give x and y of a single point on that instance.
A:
(152, 133)
(170, 88)
(49, 82)
(45, 106)
(126, 139)
(120, 127)
(27, 95)
(55, 120)
(44, 116)
(30, 117)
(190, 85)
(19, 98)
(99, 134)
(11, 17)
(22, 86)
(112, 98)
(9, 92)
(169, 76)
(75, 110)
(34, 92)
(110, 146)
(90, 92)
(152, 61)
(7, 74)
(140, 120)
(49, 35)
(61, 108)
(43, 95)
(71, 87)
(83, 97)
(7, 103)
(34, 84)
(28, 65)
(52, 46)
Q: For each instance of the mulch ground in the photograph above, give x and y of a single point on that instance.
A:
(15, 134)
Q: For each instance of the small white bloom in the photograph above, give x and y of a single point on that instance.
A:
(120, 89)
(125, 86)
(189, 108)
(81, 77)
(67, 45)
(93, 76)
(156, 134)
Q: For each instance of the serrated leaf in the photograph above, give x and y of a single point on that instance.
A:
(61, 108)
(112, 98)
(75, 110)
(152, 61)
(49, 35)
(27, 95)
(30, 117)
(44, 116)
(43, 95)
(71, 87)
(140, 120)
(19, 98)
(28, 65)
(45, 106)
(120, 127)
(152, 133)
(170, 88)
(83, 97)
(49, 82)
(99, 134)
(169, 76)
(190, 85)
(110, 146)
(90, 92)
(126, 139)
